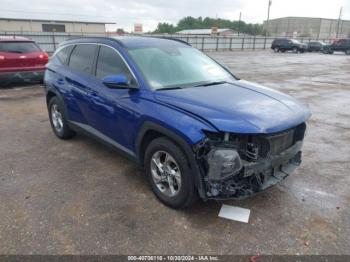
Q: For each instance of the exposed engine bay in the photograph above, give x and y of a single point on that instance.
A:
(240, 165)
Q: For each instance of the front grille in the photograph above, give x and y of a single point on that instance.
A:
(280, 142)
(253, 148)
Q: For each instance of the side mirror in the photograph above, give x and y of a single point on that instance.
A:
(116, 81)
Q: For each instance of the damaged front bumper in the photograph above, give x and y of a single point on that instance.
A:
(252, 177)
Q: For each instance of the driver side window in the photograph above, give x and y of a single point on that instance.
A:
(109, 62)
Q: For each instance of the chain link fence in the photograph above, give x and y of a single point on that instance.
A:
(50, 41)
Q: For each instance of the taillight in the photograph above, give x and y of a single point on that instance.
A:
(2, 57)
(44, 57)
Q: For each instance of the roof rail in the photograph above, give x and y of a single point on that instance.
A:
(72, 38)
(174, 39)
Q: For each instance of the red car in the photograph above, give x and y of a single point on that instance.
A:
(21, 59)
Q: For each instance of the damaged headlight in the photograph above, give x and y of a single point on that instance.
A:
(223, 162)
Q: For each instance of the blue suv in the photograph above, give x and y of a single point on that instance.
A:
(195, 128)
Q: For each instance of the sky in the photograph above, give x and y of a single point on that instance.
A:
(125, 13)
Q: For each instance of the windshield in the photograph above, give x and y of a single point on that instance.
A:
(18, 47)
(296, 41)
(177, 67)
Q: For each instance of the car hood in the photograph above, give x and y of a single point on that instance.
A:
(239, 107)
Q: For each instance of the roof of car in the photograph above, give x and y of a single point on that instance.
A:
(132, 42)
(12, 38)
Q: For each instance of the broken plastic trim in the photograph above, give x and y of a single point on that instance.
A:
(262, 177)
(265, 160)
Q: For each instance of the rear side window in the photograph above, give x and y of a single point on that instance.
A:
(18, 47)
(63, 54)
(110, 63)
(82, 58)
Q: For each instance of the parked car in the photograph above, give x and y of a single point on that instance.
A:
(21, 59)
(283, 45)
(340, 45)
(195, 128)
(317, 46)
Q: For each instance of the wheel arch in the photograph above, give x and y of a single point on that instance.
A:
(49, 94)
(52, 92)
(150, 131)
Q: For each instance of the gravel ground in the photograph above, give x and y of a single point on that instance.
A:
(79, 197)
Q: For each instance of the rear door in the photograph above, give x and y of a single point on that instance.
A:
(78, 78)
(284, 44)
(20, 56)
(314, 46)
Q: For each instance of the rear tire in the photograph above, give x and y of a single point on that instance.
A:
(58, 119)
(169, 173)
(276, 49)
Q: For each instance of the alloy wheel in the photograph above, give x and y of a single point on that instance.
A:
(166, 173)
(56, 117)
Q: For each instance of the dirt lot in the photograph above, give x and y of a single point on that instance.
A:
(79, 197)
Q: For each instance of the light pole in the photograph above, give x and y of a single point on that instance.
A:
(239, 22)
(340, 13)
(268, 17)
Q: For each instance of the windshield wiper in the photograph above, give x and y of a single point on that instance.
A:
(212, 83)
(169, 88)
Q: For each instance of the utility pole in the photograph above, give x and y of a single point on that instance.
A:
(340, 13)
(239, 22)
(268, 17)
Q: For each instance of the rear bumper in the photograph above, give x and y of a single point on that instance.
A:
(23, 76)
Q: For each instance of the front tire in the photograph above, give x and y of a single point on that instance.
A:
(169, 173)
(295, 50)
(58, 119)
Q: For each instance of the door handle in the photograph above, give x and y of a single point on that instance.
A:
(60, 81)
(90, 91)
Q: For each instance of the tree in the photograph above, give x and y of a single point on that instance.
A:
(190, 22)
(165, 28)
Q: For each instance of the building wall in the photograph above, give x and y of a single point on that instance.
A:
(319, 28)
(345, 29)
(36, 26)
(227, 33)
